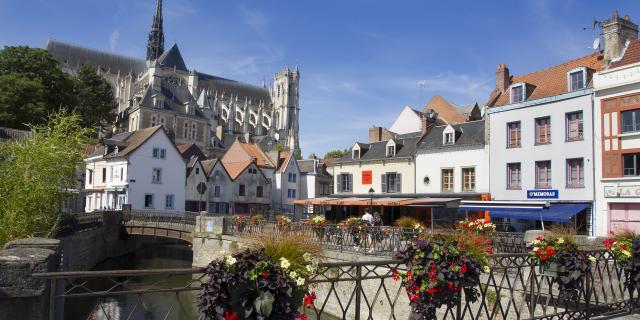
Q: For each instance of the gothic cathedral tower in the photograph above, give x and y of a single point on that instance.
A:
(155, 44)
(286, 107)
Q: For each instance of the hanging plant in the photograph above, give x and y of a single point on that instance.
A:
(317, 224)
(563, 261)
(357, 228)
(625, 248)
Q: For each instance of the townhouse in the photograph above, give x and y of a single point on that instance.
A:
(286, 184)
(142, 168)
(315, 182)
(617, 129)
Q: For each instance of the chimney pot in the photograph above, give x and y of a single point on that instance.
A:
(502, 77)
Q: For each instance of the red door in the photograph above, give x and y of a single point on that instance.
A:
(624, 217)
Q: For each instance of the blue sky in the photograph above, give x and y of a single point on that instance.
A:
(360, 61)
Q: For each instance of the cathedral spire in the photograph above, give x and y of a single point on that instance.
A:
(155, 45)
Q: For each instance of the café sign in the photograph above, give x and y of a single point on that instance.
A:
(622, 191)
(542, 194)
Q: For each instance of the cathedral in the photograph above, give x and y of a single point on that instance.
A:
(194, 107)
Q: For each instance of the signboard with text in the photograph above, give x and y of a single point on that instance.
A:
(542, 194)
(367, 177)
(622, 191)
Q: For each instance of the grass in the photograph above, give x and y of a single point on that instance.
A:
(406, 222)
(290, 246)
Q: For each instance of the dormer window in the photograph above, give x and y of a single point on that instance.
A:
(391, 151)
(158, 103)
(518, 92)
(356, 153)
(449, 138)
(190, 110)
(577, 79)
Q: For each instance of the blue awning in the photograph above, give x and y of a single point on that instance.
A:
(560, 212)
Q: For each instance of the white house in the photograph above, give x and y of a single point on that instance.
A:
(541, 143)
(220, 187)
(286, 182)
(315, 181)
(617, 129)
(141, 168)
(196, 175)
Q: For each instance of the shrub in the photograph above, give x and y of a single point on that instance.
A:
(258, 218)
(406, 222)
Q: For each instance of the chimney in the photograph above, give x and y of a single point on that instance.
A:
(615, 33)
(427, 120)
(502, 78)
(375, 134)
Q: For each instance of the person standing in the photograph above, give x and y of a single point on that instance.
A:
(367, 217)
(376, 232)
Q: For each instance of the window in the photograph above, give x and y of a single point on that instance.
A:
(168, 201)
(543, 174)
(185, 131)
(631, 120)
(543, 130)
(163, 153)
(90, 176)
(575, 173)
(574, 126)
(241, 190)
(291, 193)
(156, 175)
(447, 180)
(292, 177)
(193, 131)
(517, 93)
(356, 153)
(121, 174)
(391, 182)
(513, 134)
(576, 79)
(104, 174)
(148, 200)
(190, 110)
(631, 164)
(345, 182)
(158, 104)
(468, 179)
(259, 191)
(156, 152)
(154, 120)
(514, 175)
(197, 170)
(391, 151)
(448, 138)
(216, 191)
(253, 170)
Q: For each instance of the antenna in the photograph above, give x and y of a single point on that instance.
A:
(594, 23)
(421, 84)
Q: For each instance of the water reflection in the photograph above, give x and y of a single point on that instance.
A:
(152, 255)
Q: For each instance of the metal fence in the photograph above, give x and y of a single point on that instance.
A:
(370, 240)
(514, 289)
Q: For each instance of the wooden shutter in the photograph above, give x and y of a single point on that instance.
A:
(383, 179)
(398, 182)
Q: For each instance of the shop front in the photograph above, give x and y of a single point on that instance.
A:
(622, 203)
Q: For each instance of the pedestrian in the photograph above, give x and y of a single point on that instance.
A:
(376, 233)
(367, 217)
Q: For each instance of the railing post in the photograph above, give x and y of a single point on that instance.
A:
(587, 293)
(358, 290)
(52, 298)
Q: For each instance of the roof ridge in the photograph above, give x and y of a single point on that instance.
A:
(556, 66)
(92, 49)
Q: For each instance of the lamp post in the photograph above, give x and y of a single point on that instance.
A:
(371, 192)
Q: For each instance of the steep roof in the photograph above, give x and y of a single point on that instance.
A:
(306, 166)
(236, 168)
(189, 150)
(133, 141)
(253, 151)
(548, 82)
(72, 56)
(630, 55)
(283, 160)
(378, 150)
(172, 58)
(468, 134)
(446, 110)
(207, 165)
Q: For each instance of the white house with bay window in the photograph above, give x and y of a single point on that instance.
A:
(541, 142)
(141, 168)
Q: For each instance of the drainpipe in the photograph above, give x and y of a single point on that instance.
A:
(593, 162)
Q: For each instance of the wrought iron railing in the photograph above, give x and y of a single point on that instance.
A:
(175, 220)
(515, 288)
(370, 240)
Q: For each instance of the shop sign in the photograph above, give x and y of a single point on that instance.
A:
(542, 194)
(367, 177)
(622, 191)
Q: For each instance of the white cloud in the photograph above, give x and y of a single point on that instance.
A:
(254, 18)
(113, 39)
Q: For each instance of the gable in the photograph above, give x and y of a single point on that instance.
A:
(408, 121)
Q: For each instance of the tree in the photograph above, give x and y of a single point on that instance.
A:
(95, 102)
(36, 174)
(334, 154)
(32, 85)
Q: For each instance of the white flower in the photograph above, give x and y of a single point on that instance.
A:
(486, 269)
(592, 258)
(300, 281)
(284, 263)
(311, 268)
(626, 253)
(229, 260)
(535, 242)
(535, 249)
(560, 240)
(307, 256)
(293, 274)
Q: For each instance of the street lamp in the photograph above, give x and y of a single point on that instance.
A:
(371, 192)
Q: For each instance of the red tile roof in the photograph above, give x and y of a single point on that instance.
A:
(446, 111)
(547, 82)
(254, 151)
(631, 55)
(236, 168)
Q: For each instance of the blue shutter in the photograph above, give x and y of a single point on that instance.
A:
(383, 188)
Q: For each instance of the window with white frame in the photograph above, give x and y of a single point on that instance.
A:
(356, 153)
(292, 177)
(391, 150)
(193, 131)
(158, 103)
(156, 176)
(447, 180)
(345, 182)
(514, 175)
(391, 182)
(169, 201)
(543, 130)
(575, 173)
(518, 93)
(576, 79)
(631, 164)
(513, 134)
(631, 120)
(574, 126)
(543, 174)
(449, 138)
(468, 179)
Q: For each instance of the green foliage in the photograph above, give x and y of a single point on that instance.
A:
(297, 154)
(94, 98)
(32, 85)
(333, 154)
(290, 246)
(406, 222)
(278, 147)
(36, 174)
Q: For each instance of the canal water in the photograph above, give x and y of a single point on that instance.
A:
(154, 254)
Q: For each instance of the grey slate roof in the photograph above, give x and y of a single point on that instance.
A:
(172, 58)
(469, 134)
(306, 166)
(378, 150)
(221, 85)
(72, 56)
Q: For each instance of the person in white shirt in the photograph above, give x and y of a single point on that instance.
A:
(367, 217)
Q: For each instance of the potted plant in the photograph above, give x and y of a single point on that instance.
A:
(625, 248)
(317, 224)
(283, 221)
(440, 268)
(267, 281)
(410, 227)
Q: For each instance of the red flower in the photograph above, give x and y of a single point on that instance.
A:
(539, 238)
(463, 269)
(409, 274)
(265, 274)
(309, 298)
(303, 317)
(414, 297)
(608, 243)
(231, 315)
(395, 277)
(432, 290)
(551, 251)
